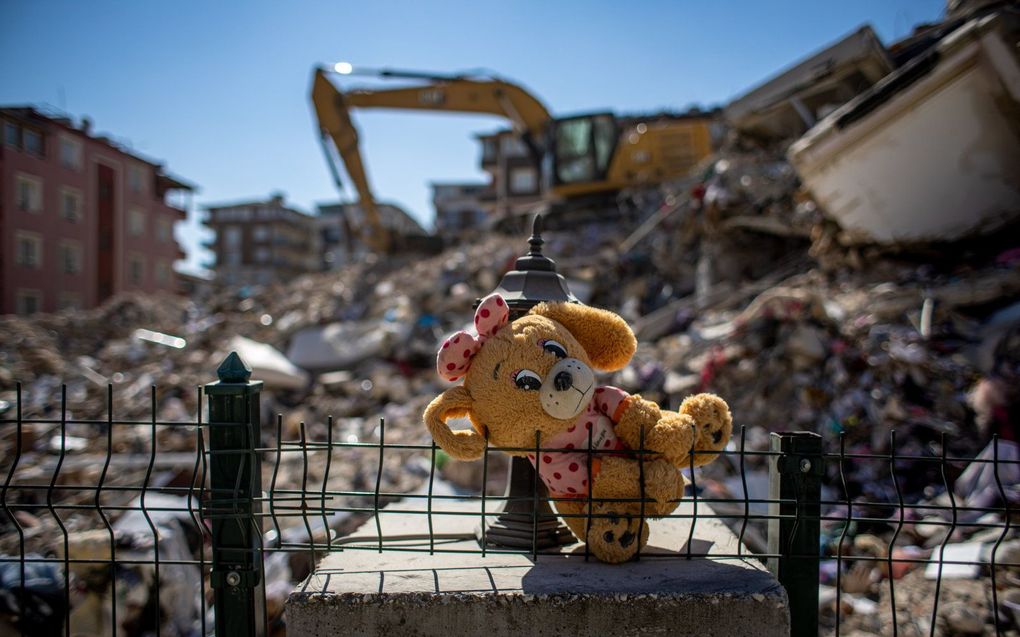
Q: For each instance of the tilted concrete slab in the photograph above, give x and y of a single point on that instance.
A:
(400, 592)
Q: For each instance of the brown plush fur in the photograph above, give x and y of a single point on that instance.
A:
(511, 418)
(606, 338)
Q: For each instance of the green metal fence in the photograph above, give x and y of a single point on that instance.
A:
(236, 522)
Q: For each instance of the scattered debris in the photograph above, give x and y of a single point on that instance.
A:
(736, 279)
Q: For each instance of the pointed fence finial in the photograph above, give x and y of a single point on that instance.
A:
(233, 369)
(535, 241)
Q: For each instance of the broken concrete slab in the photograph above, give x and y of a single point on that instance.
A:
(268, 364)
(791, 102)
(932, 152)
(339, 345)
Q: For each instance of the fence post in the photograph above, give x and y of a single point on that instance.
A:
(795, 486)
(235, 479)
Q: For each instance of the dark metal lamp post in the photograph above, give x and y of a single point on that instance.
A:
(533, 280)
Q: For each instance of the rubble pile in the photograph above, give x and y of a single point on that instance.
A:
(735, 280)
(858, 352)
(733, 287)
(114, 345)
(88, 351)
(155, 351)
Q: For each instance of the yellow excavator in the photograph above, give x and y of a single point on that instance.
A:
(579, 157)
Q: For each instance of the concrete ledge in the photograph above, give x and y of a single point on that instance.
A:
(363, 592)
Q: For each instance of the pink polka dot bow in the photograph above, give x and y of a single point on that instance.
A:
(457, 351)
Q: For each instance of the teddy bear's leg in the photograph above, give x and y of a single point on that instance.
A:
(713, 425)
(618, 529)
(616, 532)
(619, 478)
(613, 533)
(573, 514)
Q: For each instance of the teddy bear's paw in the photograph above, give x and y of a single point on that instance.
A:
(713, 425)
(616, 536)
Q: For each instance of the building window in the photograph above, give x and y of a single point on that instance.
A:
(490, 148)
(136, 222)
(136, 269)
(11, 134)
(523, 180)
(136, 179)
(162, 272)
(68, 301)
(232, 237)
(262, 233)
(163, 230)
(28, 302)
(70, 153)
(29, 193)
(233, 258)
(29, 249)
(33, 142)
(70, 204)
(262, 255)
(514, 147)
(70, 257)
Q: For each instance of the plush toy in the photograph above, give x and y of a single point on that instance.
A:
(537, 373)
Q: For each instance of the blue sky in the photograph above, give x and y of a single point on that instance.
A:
(219, 90)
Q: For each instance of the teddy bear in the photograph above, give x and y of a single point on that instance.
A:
(537, 374)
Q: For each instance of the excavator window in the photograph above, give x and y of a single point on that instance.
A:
(584, 145)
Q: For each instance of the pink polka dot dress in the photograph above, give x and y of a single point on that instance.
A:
(565, 473)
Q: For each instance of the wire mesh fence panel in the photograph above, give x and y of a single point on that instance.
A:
(102, 528)
(942, 560)
(147, 525)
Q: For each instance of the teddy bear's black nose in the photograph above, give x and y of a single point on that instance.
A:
(563, 381)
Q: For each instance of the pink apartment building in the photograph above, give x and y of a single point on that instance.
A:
(81, 218)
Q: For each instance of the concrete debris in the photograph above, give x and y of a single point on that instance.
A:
(790, 103)
(876, 168)
(339, 345)
(267, 364)
(958, 561)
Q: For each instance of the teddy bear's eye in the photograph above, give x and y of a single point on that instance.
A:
(555, 348)
(527, 380)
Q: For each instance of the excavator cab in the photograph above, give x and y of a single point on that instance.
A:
(582, 147)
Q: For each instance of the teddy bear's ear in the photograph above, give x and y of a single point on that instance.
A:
(606, 337)
(453, 403)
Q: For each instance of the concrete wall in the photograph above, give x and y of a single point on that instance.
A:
(363, 592)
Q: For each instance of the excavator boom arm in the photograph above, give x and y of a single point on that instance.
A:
(489, 97)
(334, 118)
